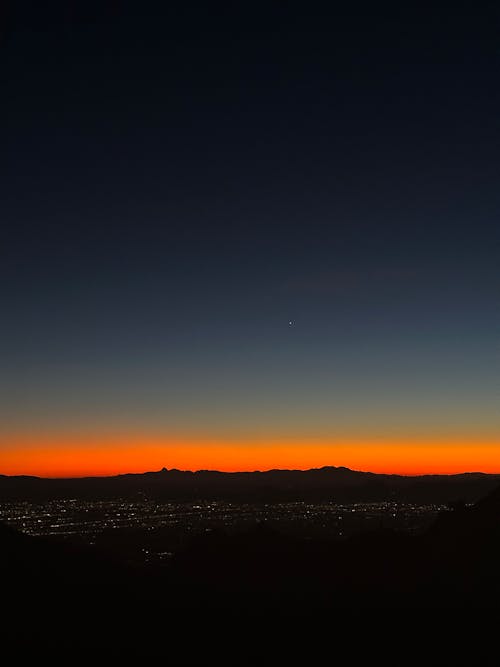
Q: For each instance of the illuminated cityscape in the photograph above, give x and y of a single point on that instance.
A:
(145, 531)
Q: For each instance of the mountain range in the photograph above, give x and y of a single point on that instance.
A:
(329, 483)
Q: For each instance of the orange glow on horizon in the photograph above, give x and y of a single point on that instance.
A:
(80, 458)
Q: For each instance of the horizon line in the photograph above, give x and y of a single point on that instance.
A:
(252, 471)
(93, 456)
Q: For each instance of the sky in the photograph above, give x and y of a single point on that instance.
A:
(245, 236)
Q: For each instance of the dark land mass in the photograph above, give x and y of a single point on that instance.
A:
(60, 595)
(321, 484)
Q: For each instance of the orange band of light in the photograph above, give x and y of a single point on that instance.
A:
(109, 456)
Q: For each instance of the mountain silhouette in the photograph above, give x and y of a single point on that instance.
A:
(328, 483)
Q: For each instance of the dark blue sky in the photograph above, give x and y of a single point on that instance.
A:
(177, 185)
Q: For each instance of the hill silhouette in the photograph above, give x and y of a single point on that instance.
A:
(327, 483)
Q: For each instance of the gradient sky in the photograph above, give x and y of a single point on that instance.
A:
(249, 237)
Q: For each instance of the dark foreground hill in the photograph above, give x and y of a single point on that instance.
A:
(320, 484)
(55, 595)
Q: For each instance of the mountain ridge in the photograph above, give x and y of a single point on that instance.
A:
(328, 483)
(325, 468)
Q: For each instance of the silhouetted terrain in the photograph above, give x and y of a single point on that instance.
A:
(328, 483)
(59, 593)
(453, 565)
